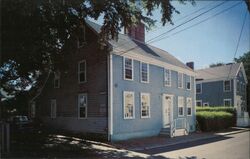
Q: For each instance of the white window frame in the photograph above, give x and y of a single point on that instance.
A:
(188, 82)
(181, 80)
(225, 87)
(86, 107)
(146, 94)
(85, 71)
(180, 106)
(53, 110)
(205, 104)
(166, 79)
(141, 63)
(124, 96)
(188, 98)
(230, 100)
(57, 77)
(201, 88)
(124, 69)
(200, 102)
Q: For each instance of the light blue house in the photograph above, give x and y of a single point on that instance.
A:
(222, 86)
(135, 90)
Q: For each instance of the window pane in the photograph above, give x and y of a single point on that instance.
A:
(128, 68)
(167, 77)
(180, 80)
(227, 85)
(82, 112)
(145, 105)
(82, 77)
(128, 105)
(180, 110)
(198, 88)
(144, 72)
(189, 111)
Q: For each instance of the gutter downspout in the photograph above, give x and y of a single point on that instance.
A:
(110, 97)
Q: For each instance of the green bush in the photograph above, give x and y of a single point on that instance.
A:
(213, 121)
(231, 110)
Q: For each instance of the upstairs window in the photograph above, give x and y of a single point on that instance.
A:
(189, 106)
(144, 72)
(198, 88)
(238, 85)
(188, 83)
(81, 37)
(227, 86)
(82, 71)
(180, 80)
(82, 106)
(145, 105)
(128, 69)
(180, 106)
(129, 105)
(167, 77)
(57, 80)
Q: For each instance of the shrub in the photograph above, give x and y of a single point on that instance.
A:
(212, 121)
(216, 109)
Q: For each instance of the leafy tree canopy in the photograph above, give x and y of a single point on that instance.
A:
(217, 64)
(245, 59)
(35, 34)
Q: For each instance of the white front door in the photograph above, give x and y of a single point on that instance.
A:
(167, 110)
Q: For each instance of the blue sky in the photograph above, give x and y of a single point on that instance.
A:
(212, 41)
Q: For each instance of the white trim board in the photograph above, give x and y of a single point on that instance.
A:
(153, 61)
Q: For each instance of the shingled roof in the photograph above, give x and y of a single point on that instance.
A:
(226, 71)
(125, 45)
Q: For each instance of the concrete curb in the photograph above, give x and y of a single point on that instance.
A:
(191, 140)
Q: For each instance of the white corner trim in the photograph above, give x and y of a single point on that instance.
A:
(234, 91)
(155, 62)
(110, 95)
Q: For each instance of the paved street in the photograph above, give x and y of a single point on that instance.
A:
(235, 146)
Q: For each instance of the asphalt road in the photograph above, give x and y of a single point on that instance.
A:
(235, 146)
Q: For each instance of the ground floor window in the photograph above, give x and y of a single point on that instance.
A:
(180, 106)
(189, 106)
(227, 102)
(145, 105)
(82, 106)
(53, 108)
(199, 103)
(128, 105)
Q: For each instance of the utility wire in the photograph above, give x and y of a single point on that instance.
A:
(154, 39)
(238, 42)
(200, 22)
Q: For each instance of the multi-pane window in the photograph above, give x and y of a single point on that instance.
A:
(129, 106)
(180, 80)
(227, 102)
(57, 80)
(144, 72)
(128, 69)
(198, 88)
(180, 106)
(167, 78)
(82, 71)
(188, 83)
(198, 103)
(227, 86)
(82, 106)
(238, 85)
(189, 106)
(53, 108)
(145, 105)
(81, 37)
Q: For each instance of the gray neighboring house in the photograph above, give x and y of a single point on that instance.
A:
(222, 86)
(130, 90)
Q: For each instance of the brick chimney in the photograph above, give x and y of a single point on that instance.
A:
(190, 65)
(136, 32)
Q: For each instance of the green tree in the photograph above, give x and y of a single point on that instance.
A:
(245, 59)
(217, 64)
(36, 35)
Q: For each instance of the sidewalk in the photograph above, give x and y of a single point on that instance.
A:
(159, 141)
